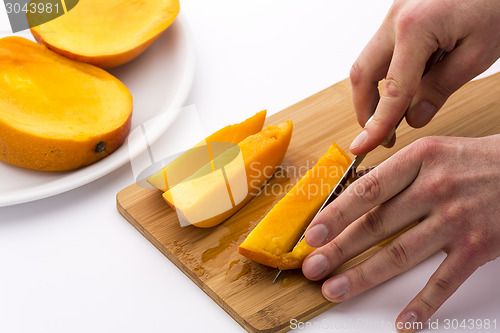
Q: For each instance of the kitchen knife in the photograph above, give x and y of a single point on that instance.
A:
(351, 171)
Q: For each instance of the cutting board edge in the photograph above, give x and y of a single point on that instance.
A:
(280, 328)
(170, 256)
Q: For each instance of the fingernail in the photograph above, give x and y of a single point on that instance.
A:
(316, 236)
(336, 288)
(423, 112)
(359, 140)
(368, 121)
(406, 321)
(315, 266)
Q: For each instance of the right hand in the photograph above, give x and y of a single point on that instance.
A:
(413, 33)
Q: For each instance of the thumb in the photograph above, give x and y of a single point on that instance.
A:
(456, 68)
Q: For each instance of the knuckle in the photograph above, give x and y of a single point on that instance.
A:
(397, 254)
(443, 90)
(474, 244)
(476, 58)
(372, 223)
(333, 217)
(395, 89)
(412, 20)
(427, 147)
(407, 20)
(368, 188)
(442, 285)
(426, 305)
(335, 250)
(431, 186)
(440, 183)
(441, 186)
(438, 187)
(360, 278)
(394, 10)
(451, 213)
(356, 73)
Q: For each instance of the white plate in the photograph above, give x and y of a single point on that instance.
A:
(160, 80)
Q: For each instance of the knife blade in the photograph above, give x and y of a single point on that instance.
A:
(351, 171)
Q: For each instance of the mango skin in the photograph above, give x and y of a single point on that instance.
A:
(57, 114)
(262, 153)
(107, 33)
(192, 160)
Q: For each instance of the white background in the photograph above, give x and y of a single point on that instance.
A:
(71, 263)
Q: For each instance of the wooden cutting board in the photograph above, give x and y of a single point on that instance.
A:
(243, 288)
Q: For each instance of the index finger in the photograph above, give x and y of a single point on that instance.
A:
(369, 68)
(378, 186)
(411, 52)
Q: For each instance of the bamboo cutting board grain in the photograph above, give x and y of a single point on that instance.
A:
(244, 289)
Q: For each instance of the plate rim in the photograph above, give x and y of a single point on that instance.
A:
(101, 168)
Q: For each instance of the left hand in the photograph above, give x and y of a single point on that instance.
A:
(449, 184)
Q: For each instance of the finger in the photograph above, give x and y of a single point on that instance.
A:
(404, 252)
(450, 275)
(391, 142)
(411, 52)
(447, 76)
(361, 173)
(382, 183)
(373, 227)
(370, 67)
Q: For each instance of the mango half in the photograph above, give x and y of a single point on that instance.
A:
(57, 114)
(221, 188)
(106, 33)
(269, 242)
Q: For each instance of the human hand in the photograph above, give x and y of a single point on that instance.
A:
(450, 185)
(413, 34)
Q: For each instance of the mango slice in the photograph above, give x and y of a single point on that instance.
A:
(57, 114)
(106, 33)
(210, 197)
(278, 231)
(205, 151)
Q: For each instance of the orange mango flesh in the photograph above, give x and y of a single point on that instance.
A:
(57, 114)
(208, 200)
(107, 33)
(278, 231)
(199, 155)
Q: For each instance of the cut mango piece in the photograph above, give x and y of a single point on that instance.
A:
(57, 114)
(105, 33)
(210, 197)
(192, 160)
(294, 259)
(278, 231)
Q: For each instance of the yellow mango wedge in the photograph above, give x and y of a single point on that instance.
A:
(189, 162)
(210, 197)
(278, 231)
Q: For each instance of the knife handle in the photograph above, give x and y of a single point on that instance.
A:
(391, 133)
